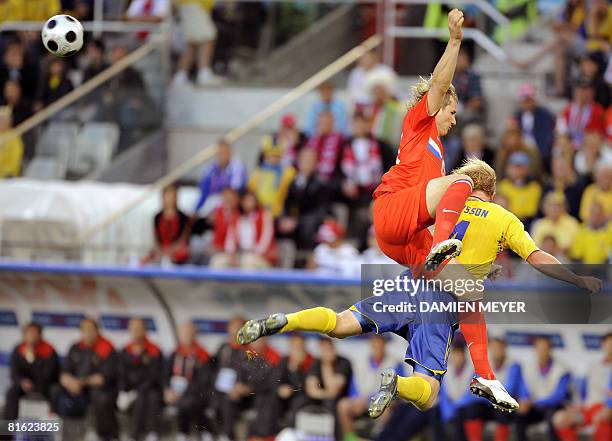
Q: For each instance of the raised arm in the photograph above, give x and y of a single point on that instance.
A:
(549, 265)
(445, 69)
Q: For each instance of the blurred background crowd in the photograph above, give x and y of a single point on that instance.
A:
(257, 393)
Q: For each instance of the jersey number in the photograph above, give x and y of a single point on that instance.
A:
(460, 229)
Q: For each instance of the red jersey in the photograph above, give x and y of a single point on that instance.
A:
(420, 157)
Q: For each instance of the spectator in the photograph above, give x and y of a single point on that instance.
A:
(474, 145)
(306, 204)
(188, 381)
(523, 192)
(328, 145)
(594, 148)
(479, 411)
(125, 101)
(290, 139)
(565, 181)
(600, 190)
(556, 222)
(535, 122)
(226, 171)
(11, 148)
(358, 94)
(141, 382)
(94, 59)
(34, 368)
(89, 377)
(79, 9)
(468, 88)
(581, 114)
(361, 164)
(330, 376)
(250, 240)
(15, 67)
(270, 181)
(373, 254)
(200, 34)
(231, 392)
(292, 377)
(171, 227)
(593, 411)
(387, 112)
(590, 69)
(544, 389)
(262, 383)
(55, 84)
(148, 11)
(512, 141)
(593, 242)
(549, 244)
(327, 103)
(13, 99)
(225, 214)
(333, 255)
(365, 384)
(40, 10)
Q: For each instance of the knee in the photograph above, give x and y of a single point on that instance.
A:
(561, 419)
(346, 325)
(344, 406)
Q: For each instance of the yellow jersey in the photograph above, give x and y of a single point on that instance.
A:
(593, 246)
(486, 229)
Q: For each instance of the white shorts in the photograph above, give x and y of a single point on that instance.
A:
(197, 25)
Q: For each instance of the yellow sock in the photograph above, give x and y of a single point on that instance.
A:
(414, 389)
(317, 319)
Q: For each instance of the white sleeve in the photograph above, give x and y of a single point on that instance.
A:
(135, 8)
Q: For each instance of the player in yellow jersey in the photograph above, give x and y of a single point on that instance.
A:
(485, 228)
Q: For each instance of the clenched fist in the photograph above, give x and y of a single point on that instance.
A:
(455, 24)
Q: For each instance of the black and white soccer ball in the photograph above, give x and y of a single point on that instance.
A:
(62, 35)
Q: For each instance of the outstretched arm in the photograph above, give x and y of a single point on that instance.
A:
(549, 265)
(445, 69)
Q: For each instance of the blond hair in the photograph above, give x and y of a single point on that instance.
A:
(482, 175)
(422, 87)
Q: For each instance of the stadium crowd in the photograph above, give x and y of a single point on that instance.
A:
(213, 393)
(311, 189)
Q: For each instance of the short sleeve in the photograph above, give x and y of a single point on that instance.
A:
(517, 239)
(418, 118)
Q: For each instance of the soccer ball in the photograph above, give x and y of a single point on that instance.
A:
(62, 35)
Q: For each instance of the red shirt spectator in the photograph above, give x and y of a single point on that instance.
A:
(225, 214)
(582, 114)
(327, 144)
(253, 231)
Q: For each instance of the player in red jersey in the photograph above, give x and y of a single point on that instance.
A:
(415, 191)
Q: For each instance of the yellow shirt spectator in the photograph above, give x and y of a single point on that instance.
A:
(594, 193)
(11, 155)
(29, 10)
(11, 10)
(523, 200)
(564, 230)
(592, 245)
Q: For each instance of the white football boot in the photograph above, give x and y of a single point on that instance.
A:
(495, 392)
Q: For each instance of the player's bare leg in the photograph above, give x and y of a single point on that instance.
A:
(445, 198)
(319, 319)
(419, 389)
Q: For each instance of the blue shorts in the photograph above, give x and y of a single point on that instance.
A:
(428, 333)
